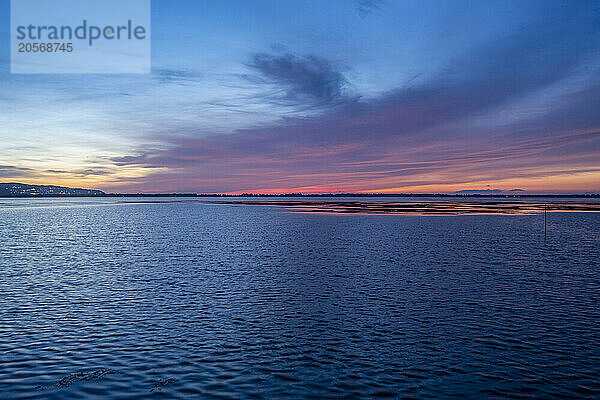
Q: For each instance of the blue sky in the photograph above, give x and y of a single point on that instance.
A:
(313, 96)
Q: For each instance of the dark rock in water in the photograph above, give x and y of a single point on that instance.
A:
(161, 383)
(82, 376)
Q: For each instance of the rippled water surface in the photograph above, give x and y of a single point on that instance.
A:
(109, 301)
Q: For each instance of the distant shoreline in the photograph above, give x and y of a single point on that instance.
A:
(326, 195)
(23, 190)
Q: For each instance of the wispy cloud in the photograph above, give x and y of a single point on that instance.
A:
(10, 171)
(307, 79)
(177, 76)
(366, 7)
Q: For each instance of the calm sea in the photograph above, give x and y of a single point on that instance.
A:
(106, 300)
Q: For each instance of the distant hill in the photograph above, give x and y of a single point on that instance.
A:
(21, 190)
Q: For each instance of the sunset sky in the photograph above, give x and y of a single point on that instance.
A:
(323, 96)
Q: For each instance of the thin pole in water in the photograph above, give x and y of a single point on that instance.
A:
(545, 225)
